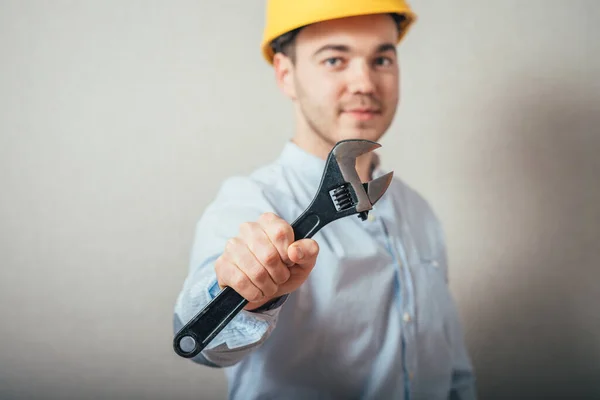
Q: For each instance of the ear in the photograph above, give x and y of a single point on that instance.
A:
(284, 74)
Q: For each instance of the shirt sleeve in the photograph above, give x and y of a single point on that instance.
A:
(239, 200)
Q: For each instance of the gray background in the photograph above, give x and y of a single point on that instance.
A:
(119, 120)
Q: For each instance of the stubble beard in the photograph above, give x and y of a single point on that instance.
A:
(317, 130)
(330, 137)
(320, 129)
(313, 118)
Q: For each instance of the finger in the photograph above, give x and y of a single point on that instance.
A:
(304, 252)
(249, 265)
(264, 251)
(280, 233)
(228, 274)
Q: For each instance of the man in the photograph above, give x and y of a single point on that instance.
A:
(363, 309)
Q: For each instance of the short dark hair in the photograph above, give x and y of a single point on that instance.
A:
(286, 43)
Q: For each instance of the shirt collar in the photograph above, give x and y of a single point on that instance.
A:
(307, 164)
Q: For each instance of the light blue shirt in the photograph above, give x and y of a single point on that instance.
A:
(374, 320)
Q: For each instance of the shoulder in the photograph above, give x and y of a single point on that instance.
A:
(246, 197)
(238, 199)
(267, 182)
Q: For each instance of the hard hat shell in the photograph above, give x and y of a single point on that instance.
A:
(283, 16)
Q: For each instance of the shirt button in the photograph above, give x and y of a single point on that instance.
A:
(371, 217)
(406, 317)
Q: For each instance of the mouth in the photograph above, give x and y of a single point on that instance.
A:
(362, 114)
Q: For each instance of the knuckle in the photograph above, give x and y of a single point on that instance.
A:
(219, 263)
(239, 282)
(255, 295)
(261, 275)
(283, 275)
(246, 228)
(271, 258)
(270, 292)
(281, 232)
(268, 217)
(280, 274)
(231, 244)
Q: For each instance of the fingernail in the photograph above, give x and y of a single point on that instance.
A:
(300, 252)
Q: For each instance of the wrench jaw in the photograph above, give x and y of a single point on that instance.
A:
(352, 148)
(367, 194)
(377, 187)
(345, 153)
(341, 193)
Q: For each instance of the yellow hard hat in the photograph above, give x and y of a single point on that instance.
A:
(283, 16)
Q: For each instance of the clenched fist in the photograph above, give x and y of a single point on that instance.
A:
(263, 262)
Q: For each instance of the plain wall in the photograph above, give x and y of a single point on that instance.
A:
(120, 119)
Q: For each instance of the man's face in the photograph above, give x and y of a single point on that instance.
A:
(346, 76)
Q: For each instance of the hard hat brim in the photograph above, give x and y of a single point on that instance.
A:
(273, 32)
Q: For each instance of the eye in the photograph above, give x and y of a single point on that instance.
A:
(333, 62)
(383, 61)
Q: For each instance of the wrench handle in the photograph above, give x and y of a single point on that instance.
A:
(204, 326)
(202, 329)
(306, 225)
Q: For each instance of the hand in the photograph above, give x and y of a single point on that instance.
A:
(263, 262)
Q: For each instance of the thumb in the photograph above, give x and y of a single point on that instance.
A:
(303, 252)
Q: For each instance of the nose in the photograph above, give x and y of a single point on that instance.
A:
(361, 79)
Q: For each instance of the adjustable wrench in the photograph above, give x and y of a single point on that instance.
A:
(340, 194)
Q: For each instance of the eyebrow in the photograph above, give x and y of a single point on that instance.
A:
(346, 49)
(334, 47)
(386, 47)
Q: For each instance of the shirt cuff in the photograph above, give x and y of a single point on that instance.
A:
(247, 327)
